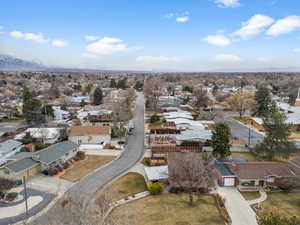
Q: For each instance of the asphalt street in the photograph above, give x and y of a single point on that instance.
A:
(133, 152)
(30, 192)
(86, 188)
(242, 132)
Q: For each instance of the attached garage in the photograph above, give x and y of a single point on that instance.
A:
(229, 181)
(225, 177)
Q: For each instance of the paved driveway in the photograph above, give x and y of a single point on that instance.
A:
(238, 208)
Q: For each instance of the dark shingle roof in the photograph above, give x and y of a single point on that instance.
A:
(224, 170)
(55, 152)
(21, 165)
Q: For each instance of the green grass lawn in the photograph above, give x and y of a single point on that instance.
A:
(283, 204)
(129, 184)
(171, 209)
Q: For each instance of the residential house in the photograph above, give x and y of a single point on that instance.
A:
(48, 135)
(156, 174)
(90, 134)
(9, 148)
(253, 175)
(31, 164)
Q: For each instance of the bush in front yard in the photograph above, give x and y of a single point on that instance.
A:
(155, 188)
(176, 190)
(11, 196)
(81, 155)
(154, 118)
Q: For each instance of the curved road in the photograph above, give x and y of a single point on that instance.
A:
(131, 155)
(86, 188)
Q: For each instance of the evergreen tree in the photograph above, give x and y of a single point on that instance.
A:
(221, 140)
(113, 83)
(98, 96)
(32, 108)
(263, 100)
(276, 142)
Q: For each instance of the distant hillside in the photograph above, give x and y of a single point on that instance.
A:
(11, 63)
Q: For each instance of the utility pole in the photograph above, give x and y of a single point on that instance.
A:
(25, 196)
(249, 138)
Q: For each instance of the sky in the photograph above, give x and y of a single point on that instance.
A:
(157, 35)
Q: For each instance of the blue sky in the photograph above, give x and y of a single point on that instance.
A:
(177, 35)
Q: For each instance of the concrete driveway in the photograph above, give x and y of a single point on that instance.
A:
(238, 208)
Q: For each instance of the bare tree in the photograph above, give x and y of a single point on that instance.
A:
(72, 210)
(190, 171)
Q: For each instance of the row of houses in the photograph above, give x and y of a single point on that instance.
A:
(243, 175)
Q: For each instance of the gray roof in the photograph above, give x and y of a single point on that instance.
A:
(20, 155)
(55, 152)
(224, 170)
(21, 165)
(9, 145)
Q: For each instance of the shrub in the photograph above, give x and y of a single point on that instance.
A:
(147, 161)
(154, 118)
(11, 196)
(81, 155)
(155, 188)
(287, 188)
(66, 165)
(176, 190)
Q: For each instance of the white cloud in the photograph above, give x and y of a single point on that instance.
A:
(182, 19)
(255, 25)
(227, 3)
(16, 34)
(218, 39)
(91, 38)
(59, 43)
(227, 58)
(296, 50)
(179, 17)
(285, 25)
(28, 36)
(156, 59)
(107, 46)
(264, 59)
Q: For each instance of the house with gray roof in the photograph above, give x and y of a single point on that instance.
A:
(9, 148)
(30, 164)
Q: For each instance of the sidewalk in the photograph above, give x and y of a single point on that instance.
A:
(263, 197)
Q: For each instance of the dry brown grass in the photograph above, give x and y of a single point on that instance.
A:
(129, 184)
(250, 195)
(86, 166)
(172, 209)
(283, 204)
(247, 155)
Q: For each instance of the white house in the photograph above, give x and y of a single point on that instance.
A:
(90, 134)
(49, 135)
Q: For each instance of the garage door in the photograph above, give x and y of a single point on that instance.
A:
(229, 181)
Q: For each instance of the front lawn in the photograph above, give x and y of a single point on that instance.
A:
(129, 184)
(283, 204)
(250, 195)
(171, 209)
(82, 168)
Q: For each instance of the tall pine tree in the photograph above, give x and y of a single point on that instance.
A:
(98, 96)
(221, 140)
(276, 142)
(263, 100)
